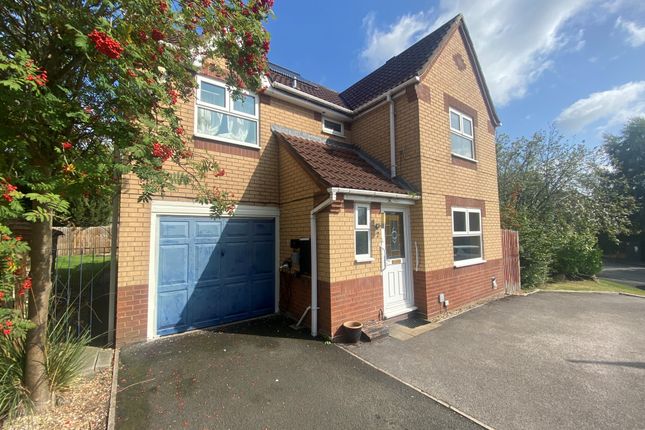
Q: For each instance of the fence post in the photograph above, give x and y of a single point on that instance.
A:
(116, 206)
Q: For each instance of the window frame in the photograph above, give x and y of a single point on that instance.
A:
(468, 233)
(361, 228)
(331, 130)
(228, 110)
(460, 132)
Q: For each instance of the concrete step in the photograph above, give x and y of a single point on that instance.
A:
(375, 329)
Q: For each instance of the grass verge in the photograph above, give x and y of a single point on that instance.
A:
(591, 285)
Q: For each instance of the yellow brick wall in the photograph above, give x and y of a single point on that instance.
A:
(252, 180)
(440, 176)
(297, 190)
(342, 244)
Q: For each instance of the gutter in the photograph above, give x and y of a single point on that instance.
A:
(314, 261)
(314, 99)
(368, 193)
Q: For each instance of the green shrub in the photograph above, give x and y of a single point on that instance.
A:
(578, 256)
(536, 254)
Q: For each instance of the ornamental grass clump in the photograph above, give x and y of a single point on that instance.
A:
(63, 363)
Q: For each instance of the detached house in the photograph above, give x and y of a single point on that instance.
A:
(365, 204)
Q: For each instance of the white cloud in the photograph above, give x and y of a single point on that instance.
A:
(604, 109)
(515, 40)
(384, 44)
(635, 33)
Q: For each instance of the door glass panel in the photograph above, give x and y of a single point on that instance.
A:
(394, 245)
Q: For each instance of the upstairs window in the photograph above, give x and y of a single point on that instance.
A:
(362, 232)
(333, 127)
(466, 236)
(219, 116)
(461, 135)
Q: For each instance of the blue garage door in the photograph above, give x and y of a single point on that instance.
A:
(212, 272)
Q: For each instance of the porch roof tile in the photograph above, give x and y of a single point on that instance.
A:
(337, 164)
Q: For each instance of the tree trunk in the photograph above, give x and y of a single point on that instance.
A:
(36, 380)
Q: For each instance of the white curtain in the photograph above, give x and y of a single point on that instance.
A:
(220, 124)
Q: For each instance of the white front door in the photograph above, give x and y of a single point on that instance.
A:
(397, 274)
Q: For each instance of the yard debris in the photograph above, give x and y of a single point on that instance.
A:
(84, 406)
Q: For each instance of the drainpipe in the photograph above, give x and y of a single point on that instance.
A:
(314, 262)
(392, 136)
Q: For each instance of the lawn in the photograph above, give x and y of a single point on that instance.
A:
(74, 261)
(590, 285)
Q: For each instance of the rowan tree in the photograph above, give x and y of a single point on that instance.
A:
(89, 92)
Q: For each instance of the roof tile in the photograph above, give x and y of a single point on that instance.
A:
(397, 69)
(338, 165)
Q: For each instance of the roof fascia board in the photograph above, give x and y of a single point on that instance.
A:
(480, 75)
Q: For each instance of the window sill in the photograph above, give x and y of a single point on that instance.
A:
(363, 260)
(225, 140)
(333, 133)
(465, 263)
(463, 157)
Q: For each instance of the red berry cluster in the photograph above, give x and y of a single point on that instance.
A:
(66, 145)
(26, 285)
(105, 44)
(8, 189)
(161, 151)
(174, 95)
(6, 327)
(40, 78)
(157, 35)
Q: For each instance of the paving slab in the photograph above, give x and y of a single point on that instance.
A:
(264, 375)
(544, 361)
(94, 359)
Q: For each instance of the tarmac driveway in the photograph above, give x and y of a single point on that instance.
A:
(264, 375)
(545, 361)
(630, 274)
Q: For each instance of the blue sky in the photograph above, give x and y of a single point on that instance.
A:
(577, 63)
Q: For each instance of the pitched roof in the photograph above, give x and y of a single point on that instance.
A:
(398, 69)
(335, 164)
(287, 77)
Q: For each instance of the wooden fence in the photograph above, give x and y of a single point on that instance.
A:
(511, 261)
(77, 240)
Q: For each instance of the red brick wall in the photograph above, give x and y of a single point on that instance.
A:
(460, 286)
(132, 314)
(295, 296)
(355, 299)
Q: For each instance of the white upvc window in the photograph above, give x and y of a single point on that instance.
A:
(467, 236)
(219, 116)
(362, 234)
(331, 126)
(461, 135)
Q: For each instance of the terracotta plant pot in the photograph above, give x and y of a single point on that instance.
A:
(353, 330)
